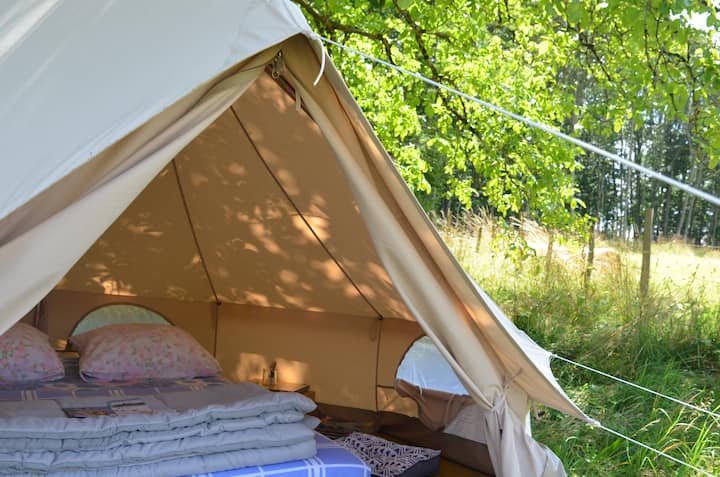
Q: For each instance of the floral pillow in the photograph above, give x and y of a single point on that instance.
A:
(27, 357)
(142, 351)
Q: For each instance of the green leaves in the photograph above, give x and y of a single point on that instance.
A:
(575, 11)
(405, 4)
(543, 47)
(590, 68)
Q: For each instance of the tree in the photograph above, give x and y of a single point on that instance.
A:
(615, 73)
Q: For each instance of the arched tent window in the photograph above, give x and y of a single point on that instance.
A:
(117, 313)
(424, 366)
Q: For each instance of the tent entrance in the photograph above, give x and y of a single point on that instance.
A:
(251, 240)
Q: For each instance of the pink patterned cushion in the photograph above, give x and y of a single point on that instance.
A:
(142, 351)
(26, 356)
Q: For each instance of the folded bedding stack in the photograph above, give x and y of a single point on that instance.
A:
(224, 427)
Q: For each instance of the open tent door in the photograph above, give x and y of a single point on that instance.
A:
(260, 207)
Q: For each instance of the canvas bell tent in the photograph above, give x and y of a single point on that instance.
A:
(206, 160)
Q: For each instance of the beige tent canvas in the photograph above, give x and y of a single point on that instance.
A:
(206, 160)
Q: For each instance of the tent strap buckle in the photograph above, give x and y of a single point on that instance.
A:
(278, 66)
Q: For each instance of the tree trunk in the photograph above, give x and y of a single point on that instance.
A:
(683, 212)
(647, 243)
(639, 193)
(689, 219)
(698, 180)
(627, 205)
(686, 197)
(602, 198)
(667, 207)
(685, 222)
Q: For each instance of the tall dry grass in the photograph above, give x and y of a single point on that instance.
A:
(669, 341)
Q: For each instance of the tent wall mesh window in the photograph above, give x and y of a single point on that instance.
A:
(222, 177)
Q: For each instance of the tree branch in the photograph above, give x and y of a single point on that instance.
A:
(332, 25)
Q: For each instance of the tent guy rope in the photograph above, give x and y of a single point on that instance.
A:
(658, 452)
(712, 414)
(637, 386)
(538, 125)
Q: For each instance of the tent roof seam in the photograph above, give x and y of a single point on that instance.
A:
(193, 232)
(300, 214)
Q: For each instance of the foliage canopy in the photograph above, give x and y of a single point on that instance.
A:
(640, 78)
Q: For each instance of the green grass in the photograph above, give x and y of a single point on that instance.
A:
(669, 342)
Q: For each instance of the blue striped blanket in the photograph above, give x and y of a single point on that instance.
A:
(332, 460)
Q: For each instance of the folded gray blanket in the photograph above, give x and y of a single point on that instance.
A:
(256, 426)
(190, 465)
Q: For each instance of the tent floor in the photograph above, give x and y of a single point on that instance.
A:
(448, 468)
(340, 420)
(451, 469)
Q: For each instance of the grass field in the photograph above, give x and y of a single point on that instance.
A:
(669, 342)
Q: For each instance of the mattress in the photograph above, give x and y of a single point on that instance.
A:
(72, 386)
(332, 460)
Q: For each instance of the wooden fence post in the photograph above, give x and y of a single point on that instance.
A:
(590, 256)
(647, 242)
(478, 237)
(549, 253)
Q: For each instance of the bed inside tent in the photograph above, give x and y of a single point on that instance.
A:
(259, 213)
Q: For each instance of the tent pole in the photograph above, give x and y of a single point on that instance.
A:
(377, 361)
(194, 233)
(217, 303)
(37, 315)
(216, 322)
